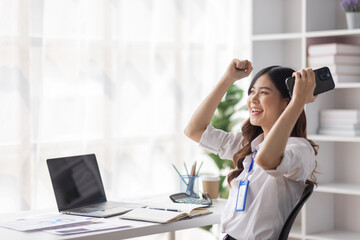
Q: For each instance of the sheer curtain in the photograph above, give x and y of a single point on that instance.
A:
(118, 78)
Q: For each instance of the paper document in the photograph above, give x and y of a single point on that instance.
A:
(43, 221)
(96, 225)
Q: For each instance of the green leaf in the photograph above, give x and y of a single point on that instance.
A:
(207, 228)
(223, 188)
(224, 193)
(229, 112)
(220, 123)
(222, 107)
(217, 160)
(234, 93)
(228, 163)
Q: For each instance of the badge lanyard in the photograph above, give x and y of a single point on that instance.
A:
(243, 188)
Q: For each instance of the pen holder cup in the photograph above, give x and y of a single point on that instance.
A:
(190, 185)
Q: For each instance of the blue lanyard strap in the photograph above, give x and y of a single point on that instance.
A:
(243, 188)
(252, 162)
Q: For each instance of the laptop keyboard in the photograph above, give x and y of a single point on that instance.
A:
(98, 207)
(85, 210)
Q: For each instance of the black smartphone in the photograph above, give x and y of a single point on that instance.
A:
(323, 79)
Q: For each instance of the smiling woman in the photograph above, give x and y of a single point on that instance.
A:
(271, 152)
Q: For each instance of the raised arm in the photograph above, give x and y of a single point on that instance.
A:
(202, 116)
(273, 147)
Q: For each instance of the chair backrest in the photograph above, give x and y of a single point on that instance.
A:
(291, 218)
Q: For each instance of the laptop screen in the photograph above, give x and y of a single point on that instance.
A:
(76, 181)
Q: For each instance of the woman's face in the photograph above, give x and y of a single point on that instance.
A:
(265, 103)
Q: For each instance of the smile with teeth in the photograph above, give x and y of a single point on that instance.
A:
(256, 111)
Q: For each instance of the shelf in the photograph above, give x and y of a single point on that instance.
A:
(314, 34)
(333, 33)
(326, 138)
(347, 85)
(276, 36)
(339, 188)
(335, 235)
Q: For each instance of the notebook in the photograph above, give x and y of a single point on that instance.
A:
(79, 189)
(166, 213)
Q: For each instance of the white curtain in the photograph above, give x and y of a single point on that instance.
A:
(118, 78)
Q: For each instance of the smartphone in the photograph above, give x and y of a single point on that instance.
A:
(323, 79)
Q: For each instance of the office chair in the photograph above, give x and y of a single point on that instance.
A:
(291, 218)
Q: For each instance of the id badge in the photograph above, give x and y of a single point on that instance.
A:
(241, 196)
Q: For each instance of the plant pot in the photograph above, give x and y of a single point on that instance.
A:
(353, 20)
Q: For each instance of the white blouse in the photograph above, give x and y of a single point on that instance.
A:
(272, 194)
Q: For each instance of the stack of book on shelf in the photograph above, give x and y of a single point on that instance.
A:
(340, 122)
(342, 59)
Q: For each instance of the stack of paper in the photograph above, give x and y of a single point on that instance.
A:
(343, 60)
(340, 122)
(62, 224)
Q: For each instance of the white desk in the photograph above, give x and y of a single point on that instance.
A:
(138, 228)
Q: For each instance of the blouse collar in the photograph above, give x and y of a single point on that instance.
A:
(255, 144)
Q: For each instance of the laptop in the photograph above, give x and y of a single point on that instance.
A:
(79, 189)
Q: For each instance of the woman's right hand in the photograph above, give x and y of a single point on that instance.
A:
(238, 69)
(304, 86)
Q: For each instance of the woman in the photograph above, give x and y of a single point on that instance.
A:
(272, 155)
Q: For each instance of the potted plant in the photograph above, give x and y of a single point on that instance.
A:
(352, 10)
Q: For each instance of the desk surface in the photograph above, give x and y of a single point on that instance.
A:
(137, 228)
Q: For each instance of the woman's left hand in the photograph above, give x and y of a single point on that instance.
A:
(304, 86)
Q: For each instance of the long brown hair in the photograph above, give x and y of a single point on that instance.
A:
(277, 75)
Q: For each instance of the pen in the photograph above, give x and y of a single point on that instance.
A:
(193, 169)
(165, 209)
(180, 175)
(197, 173)
(186, 169)
(190, 186)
